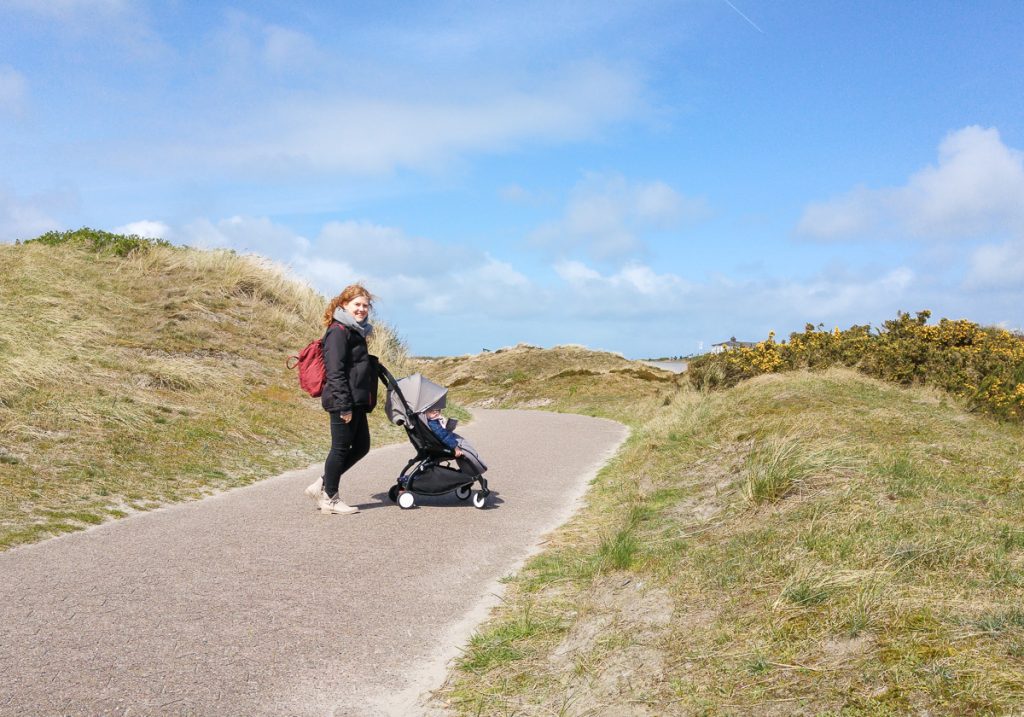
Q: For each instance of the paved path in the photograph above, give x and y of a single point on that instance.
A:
(673, 366)
(251, 603)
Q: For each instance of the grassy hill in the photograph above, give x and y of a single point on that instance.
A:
(565, 378)
(134, 374)
(808, 543)
(803, 543)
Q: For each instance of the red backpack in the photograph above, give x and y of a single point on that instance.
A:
(310, 362)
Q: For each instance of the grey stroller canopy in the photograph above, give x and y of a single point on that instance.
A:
(420, 395)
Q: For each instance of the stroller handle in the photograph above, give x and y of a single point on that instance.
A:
(385, 376)
(391, 383)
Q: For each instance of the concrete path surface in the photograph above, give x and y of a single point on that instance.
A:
(252, 603)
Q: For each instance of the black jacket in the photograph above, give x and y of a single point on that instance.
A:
(351, 371)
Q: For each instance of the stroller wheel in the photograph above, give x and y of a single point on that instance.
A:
(406, 499)
(393, 494)
(479, 499)
(462, 492)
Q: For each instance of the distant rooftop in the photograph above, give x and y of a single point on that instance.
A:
(732, 343)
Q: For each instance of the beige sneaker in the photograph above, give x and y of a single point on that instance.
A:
(334, 506)
(315, 491)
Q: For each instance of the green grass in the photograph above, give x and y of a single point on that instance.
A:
(99, 241)
(828, 544)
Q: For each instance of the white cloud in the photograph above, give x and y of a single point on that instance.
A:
(381, 249)
(975, 190)
(516, 194)
(103, 24)
(410, 274)
(243, 234)
(13, 91)
(576, 273)
(997, 266)
(285, 49)
(832, 296)
(495, 286)
(635, 290)
(245, 41)
(606, 215)
(328, 275)
(145, 228)
(639, 294)
(24, 218)
(659, 204)
(857, 212)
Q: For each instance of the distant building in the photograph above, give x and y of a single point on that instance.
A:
(732, 343)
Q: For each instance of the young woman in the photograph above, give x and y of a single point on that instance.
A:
(350, 391)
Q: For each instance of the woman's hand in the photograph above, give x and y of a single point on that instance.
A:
(346, 417)
(458, 452)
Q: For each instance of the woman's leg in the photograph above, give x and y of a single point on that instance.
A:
(360, 445)
(341, 449)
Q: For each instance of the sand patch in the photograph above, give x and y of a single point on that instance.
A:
(615, 636)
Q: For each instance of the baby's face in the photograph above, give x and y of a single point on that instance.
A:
(434, 413)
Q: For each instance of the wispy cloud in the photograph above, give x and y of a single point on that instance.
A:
(606, 216)
(13, 91)
(635, 289)
(381, 250)
(145, 228)
(998, 266)
(249, 235)
(68, 10)
(245, 41)
(362, 134)
(101, 27)
(517, 194)
(975, 190)
(26, 217)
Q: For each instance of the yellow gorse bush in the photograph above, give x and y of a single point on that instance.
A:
(985, 365)
(763, 357)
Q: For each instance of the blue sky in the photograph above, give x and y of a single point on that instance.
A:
(644, 177)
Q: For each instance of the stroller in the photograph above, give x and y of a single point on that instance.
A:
(430, 471)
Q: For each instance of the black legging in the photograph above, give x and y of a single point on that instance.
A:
(349, 442)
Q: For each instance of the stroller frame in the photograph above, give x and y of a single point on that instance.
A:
(429, 472)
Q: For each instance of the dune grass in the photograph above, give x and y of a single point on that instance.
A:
(801, 544)
(134, 374)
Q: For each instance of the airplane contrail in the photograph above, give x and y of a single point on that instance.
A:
(743, 16)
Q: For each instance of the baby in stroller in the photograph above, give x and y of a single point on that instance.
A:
(443, 428)
(439, 427)
(415, 403)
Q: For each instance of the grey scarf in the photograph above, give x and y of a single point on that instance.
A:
(365, 328)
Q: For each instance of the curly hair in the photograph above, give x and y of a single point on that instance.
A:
(350, 292)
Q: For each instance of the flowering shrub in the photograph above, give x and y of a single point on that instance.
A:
(985, 365)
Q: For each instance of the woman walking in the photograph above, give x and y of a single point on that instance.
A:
(349, 392)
